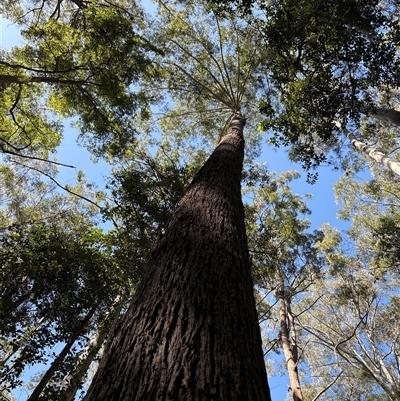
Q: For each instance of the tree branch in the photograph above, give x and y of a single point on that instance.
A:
(328, 386)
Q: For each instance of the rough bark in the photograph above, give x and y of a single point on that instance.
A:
(191, 331)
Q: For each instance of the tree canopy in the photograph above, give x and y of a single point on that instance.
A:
(152, 90)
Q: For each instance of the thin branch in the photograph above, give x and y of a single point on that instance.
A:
(274, 342)
(57, 11)
(173, 115)
(41, 71)
(59, 185)
(328, 386)
(237, 66)
(214, 95)
(9, 152)
(205, 68)
(209, 52)
(223, 59)
(352, 335)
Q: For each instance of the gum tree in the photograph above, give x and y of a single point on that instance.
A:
(191, 331)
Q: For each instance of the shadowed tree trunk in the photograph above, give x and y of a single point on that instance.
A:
(191, 331)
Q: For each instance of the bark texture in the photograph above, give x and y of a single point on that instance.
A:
(191, 331)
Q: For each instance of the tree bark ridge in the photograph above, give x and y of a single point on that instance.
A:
(191, 332)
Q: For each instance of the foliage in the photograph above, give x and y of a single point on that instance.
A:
(81, 61)
(285, 261)
(305, 66)
(49, 277)
(144, 194)
(353, 326)
(328, 60)
(353, 330)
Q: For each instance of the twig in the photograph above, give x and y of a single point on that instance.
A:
(327, 387)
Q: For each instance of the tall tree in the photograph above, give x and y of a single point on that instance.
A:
(191, 330)
(285, 264)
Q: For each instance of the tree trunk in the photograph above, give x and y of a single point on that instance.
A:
(375, 154)
(191, 331)
(389, 115)
(36, 394)
(71, 383)
(289, 344)
(17, 344)
(380, 157)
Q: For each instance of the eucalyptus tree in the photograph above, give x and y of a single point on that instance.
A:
(286, 264)
(372, 206)
(191, 330)
(353, 328)
(331, 62)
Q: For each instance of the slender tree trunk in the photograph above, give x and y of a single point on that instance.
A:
(17, 344)
(383, 114)
(71, 383)
(371, 152)
(289, 343)
(375, 154)
(191, 331)
(57, 362)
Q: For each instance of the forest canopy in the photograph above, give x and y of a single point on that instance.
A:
(161, 94)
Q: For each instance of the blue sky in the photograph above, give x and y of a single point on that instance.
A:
(322, 204)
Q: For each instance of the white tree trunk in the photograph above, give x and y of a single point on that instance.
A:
(371, 152)
(73, 380)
